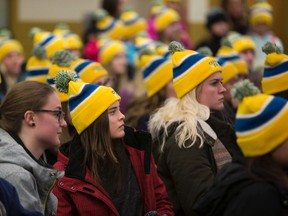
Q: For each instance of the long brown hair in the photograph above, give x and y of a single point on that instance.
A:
(98, 146)
(25, 95)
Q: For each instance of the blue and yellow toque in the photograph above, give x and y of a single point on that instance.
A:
(261, 12)
(38, 65)
(88, 71)
(165, 17)
(275, 77)
(132, 23)
(10, 45)
(85, 99)
(190, 68)
(260, 121)
(156, 70)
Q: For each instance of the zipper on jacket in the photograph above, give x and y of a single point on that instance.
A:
(47, 196)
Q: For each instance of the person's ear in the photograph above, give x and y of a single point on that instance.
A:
(29, 118)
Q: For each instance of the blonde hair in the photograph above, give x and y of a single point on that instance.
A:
(186, 112)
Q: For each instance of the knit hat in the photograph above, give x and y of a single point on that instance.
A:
(261, 12)
(260, 120)
(228, 70)
(106, 24)
(9, 45)
(156, 70)
(109, 49)
(227, 53)
(275, 77)
(142, 41)
(38, 65)
(190, 68)
(88, 71)
(165, 17)
(132, 23)
(216, 15)
(85, 99)
(62, 60)
(241, 42)
(52, 43)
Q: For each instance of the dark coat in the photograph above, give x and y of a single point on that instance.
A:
(236, 193)
(79, 194)
(188, 173)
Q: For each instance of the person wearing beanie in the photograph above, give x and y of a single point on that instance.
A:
(192, 147)
(257, 185)
(114, 59)
(38, 65)
(166, 23)
(49, 41)
(106, 24)
(108, 167)
(261, 22)
(180, 7)
(275, 76)
(156, 74)
(31, 121)
(245, 47)
(230, 78)
(133, 25)
(11, 62)
(227, 53)
(62, 60)
(91, 72)
(217, 24)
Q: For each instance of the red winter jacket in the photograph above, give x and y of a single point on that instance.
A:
(79, 194)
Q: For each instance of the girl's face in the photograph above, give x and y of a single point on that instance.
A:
(211, 92)
(49, 122)
(119, 64)
(248, 55)
(13, 62)
(116, 121)
(173, 31)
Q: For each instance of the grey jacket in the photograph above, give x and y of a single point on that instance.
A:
(32, 180)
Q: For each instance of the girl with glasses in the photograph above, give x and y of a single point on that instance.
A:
(31, 121)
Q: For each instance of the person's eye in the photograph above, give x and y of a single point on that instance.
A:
(112, 112)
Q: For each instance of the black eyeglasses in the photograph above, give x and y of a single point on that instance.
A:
(59, 113)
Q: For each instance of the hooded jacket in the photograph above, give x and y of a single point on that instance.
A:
(32, 180)
(78, 193)
(236, 193)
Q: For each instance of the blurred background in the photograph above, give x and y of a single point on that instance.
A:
(21, 15)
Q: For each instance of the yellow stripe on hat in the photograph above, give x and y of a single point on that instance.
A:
(159, 78)
(8, 46)
(164, 18)
(109, 50)
(87, 70)
(92, 105)
(196, 73)
(268, 128)
(243, 43)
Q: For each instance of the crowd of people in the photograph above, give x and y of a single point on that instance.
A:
(135, 119)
